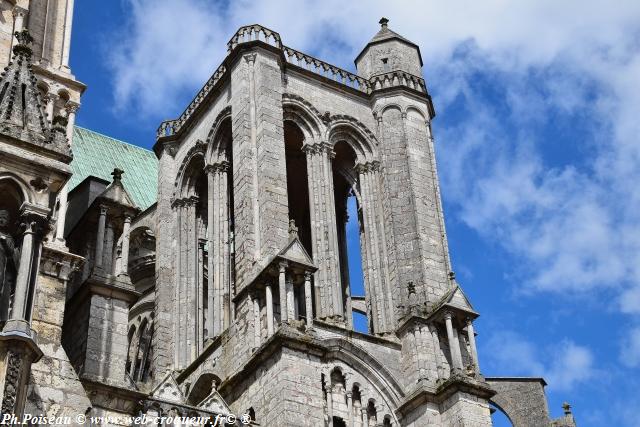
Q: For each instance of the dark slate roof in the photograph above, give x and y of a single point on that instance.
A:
(97, 155)
(385, 34)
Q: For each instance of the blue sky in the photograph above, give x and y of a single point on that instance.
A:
(537, 145)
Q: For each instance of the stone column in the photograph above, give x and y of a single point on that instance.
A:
(350, 408)
(435, 339)
(374, 276)
(18, 25)
(282, 288)
(454, 347)
(365, 417)
(291, 300)
(212, 294)
(324, 232)
(330, 405)
(307, 299)
(124, 262)
(257, 324)
(219, 252)
(269, 303)
(472, 343)
(71, 108)
(23, 279)
(102, 219)
(223, 260)
(68, 20)
(51, 101)
(200, 297)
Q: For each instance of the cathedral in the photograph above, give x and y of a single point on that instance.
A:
(207, 282)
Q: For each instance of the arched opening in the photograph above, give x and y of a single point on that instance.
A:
(202, 388)
(357, 403)
(372, 413)
(219, 251)
(498, 417)
(297, 183)
(131, 350)
(339, 398)
(349, 229)
(10, 203)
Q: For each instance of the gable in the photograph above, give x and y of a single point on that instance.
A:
(215, 403)
(459, 299)
(294, 251)
(168, 390)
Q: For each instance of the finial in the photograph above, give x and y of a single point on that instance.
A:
(117, 174)
(383, 22)
(24, 42)
(293, 230)
(567, 408)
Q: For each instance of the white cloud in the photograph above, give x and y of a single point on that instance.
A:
(574, 226)
(630, 352)
(564, 365)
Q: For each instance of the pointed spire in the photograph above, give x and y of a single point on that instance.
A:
(21, 112)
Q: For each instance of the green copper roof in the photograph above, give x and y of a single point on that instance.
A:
(97, 155)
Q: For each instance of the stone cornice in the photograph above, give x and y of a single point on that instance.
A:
(257, 36)
(425, 393)
(57, 262)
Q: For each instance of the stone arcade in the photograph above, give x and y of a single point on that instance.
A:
(210, 277)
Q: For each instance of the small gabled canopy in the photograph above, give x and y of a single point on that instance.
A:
(458, 299)
(294, 251)
(215, 403)
(168, 390)
(117, 194)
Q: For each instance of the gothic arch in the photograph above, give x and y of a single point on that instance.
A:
(191, 166)
(23, 190)
(417, 110)
(391, 106)
(217, 136)
(368, 366)
(202, 387)
(354, 133)
(305, 115)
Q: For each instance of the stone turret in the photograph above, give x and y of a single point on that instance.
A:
(388, 51)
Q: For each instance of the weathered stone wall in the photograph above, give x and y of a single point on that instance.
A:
(54, 387)
(464, 409)
(399, 56)
(286, 390)
(522, 399)
(164, 335)
(259, 172)
(107, 340)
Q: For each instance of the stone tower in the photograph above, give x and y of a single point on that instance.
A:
(228, 287)
(252, 275)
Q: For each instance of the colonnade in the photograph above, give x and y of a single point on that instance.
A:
(261, 300)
